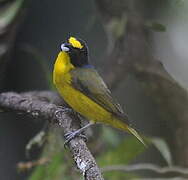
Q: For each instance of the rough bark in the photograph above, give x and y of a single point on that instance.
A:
(41, 106)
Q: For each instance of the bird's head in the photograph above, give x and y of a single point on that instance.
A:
(77, 51)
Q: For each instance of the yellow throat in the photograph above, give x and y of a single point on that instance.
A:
(62, 66)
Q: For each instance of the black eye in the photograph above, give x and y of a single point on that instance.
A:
(83, 49)
(75, 48)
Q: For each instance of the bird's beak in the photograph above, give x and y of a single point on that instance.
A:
(64, 48)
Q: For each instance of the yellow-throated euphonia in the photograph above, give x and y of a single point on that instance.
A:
(84, 90)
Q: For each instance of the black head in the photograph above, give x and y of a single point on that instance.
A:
(77, 50)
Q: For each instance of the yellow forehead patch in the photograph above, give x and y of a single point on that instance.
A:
(75, 43)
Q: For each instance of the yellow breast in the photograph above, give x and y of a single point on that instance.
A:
(76, 99)
(82, 104)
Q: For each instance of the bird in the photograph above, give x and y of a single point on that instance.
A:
(84, 90)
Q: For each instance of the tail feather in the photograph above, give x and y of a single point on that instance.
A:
(135, 133)
(122, 125)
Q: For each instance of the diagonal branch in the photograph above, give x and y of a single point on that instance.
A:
(39, 105)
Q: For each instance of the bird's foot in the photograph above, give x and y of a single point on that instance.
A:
(71, 135)
(66, 109)
(60, 112)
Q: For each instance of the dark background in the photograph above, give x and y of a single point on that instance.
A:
(41, 26)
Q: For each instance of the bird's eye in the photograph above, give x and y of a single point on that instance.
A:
(64, 48)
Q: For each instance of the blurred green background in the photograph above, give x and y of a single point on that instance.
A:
(30, 36)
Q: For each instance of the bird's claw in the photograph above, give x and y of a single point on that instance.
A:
(71, 135)
(60, 112)
(66, 109)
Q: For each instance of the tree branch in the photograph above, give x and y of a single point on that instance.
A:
(144, 166)
(40, 105)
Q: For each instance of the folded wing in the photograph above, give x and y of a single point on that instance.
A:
(89, 82)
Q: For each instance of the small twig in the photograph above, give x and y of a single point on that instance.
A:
(161, 178)
(24, 166)
(40, 106)
(150, 167)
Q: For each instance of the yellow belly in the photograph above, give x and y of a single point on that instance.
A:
(78, 101)
(84, 105)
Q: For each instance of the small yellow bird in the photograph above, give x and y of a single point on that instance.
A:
(84, 90)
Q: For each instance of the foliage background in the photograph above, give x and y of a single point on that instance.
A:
(37, 29)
